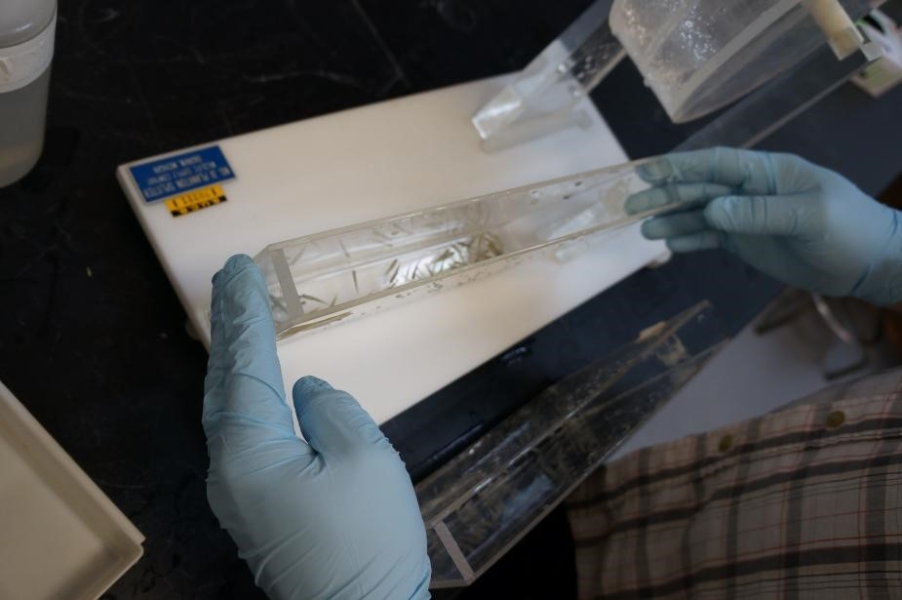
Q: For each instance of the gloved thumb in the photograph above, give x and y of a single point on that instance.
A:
(332, 421)
(753, 215)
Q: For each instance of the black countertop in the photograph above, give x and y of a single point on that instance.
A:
(92, 336)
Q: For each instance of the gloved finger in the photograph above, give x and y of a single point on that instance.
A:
(244, 380)
(677, 225)
(755, 215)
(675, 193)
(332, 421)
(746, 170)
(707, 240)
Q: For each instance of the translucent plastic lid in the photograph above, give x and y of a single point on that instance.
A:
(21, 20)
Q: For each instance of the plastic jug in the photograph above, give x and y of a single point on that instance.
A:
(26, 49)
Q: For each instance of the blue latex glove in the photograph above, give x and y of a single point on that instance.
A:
(800, 223)
(333, 517)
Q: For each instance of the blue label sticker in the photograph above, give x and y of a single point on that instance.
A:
(177, 174)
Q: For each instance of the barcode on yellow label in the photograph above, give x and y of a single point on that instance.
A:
(196, 200)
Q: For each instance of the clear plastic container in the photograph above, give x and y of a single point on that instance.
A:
(492, 493)
(328, 278)
(544, 96)
(27, 30)
(699, 55)
(696, 55)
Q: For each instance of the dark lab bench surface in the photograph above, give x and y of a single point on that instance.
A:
(92, 336)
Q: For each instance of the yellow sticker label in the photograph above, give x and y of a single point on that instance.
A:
(196, 200)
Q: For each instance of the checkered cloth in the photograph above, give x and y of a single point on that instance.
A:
(802, 503)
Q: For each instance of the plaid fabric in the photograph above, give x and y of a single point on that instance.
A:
(802, 503)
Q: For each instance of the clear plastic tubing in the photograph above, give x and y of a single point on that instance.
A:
(26, 50)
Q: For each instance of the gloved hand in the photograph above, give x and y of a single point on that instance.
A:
(800, 223)
(333, 517)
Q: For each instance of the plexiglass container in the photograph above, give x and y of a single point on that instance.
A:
(696, 55)
(479, 504)
(543, 98)
(699, 55)
(328, 278)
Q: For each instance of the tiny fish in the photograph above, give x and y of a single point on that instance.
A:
(343, 249)
(391, 267)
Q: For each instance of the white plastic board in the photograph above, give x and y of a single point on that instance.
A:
(61, 536)
(374, 162)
